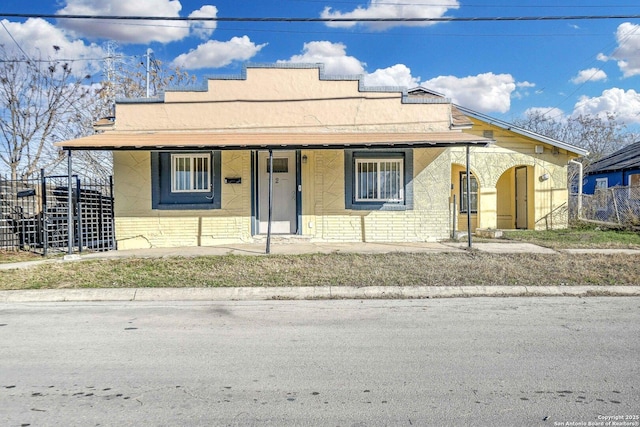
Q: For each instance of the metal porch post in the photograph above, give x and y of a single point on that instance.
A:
(70, 237)
(268, 250)
(468, 195)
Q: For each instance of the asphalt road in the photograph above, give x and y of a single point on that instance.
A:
(474, 361)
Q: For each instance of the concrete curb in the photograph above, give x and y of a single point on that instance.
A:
(306, 293)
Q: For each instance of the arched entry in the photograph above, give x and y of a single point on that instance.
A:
(513, 204)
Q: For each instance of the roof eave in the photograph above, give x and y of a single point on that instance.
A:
(152, 141)
(520, 131)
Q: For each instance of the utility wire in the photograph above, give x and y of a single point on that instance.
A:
(15, 41)
(284, 19)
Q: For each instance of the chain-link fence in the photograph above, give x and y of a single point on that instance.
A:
(34, 214)
(619, 206)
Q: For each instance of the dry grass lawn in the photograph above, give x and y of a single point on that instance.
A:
(440, 269)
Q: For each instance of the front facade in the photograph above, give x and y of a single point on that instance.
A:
(287, 150)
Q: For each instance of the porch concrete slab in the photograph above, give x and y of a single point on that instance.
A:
(506, 248)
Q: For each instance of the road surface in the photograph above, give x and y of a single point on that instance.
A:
(474, 361)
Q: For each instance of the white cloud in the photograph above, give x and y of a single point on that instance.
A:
(127, 31)
(628, 51)
(392, 9)
(206, 28)
(522, 91)
(396, 75)
(486, 92)
(214, 53)
(332, 55)
(624, 104)
(38, 37)
(589, 75)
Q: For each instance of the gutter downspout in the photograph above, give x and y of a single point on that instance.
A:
(580, 173)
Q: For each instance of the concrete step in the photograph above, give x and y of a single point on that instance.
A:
(282, 238)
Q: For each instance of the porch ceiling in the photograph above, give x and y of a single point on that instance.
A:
(255, 141)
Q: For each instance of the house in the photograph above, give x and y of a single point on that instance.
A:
(620, 169)
(611, 188)
(286, 149)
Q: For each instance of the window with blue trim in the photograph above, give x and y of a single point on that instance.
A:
(379, 179)
(185, 180)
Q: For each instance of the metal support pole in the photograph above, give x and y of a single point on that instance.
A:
(149, 51)
(468, 201)
(79, 215)
(70, 238)
(270, 201)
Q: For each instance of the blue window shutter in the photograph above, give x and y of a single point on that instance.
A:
(161, 196)
(349, 170)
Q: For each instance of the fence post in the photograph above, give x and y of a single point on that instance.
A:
(615, 204)
(100, 220)
(113, 214)
(44, 220)
(79, 214)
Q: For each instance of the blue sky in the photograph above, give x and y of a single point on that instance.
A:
(499, 68)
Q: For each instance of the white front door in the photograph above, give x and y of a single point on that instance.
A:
(283, 216)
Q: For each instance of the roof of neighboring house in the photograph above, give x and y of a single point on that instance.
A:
(626, 158)
(524, 132)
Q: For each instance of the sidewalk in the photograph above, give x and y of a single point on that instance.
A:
(317, 292)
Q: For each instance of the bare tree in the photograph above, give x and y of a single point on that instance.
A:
(596, 134)
(39, 105)
(129, 79)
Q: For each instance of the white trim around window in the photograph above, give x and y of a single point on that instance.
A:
(190, 173)
(601, 184)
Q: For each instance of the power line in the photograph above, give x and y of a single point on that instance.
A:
(14, 40)
(293, 19)
(467, 5)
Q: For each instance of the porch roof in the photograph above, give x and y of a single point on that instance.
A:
(176, 141)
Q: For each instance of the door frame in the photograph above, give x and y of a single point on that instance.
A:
(255, 191)
(526, 198)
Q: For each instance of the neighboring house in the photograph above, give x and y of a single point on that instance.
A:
(620, 169)
(349, 163)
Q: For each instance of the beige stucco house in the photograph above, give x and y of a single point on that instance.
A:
(345, 162)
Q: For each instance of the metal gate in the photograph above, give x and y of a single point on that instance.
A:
(34, 215)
